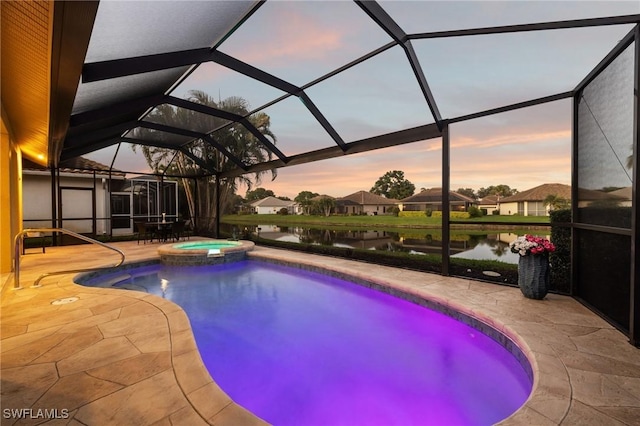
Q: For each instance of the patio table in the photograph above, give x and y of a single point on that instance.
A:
(163, 228)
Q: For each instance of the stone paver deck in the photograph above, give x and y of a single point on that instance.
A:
(129, 358)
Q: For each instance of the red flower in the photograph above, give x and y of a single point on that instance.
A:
(534, 245)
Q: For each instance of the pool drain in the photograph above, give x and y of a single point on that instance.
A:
(64, 301)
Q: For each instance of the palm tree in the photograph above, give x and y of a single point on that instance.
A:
(500, 249)
(236, 138)
(556, 202)
(324, 204)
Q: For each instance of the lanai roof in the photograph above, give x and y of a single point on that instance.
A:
(75, 165)
(109, 65)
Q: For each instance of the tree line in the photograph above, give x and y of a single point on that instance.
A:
(392, 185)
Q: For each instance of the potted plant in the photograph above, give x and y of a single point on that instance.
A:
(533, 265)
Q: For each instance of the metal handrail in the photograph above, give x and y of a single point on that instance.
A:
(18, 243)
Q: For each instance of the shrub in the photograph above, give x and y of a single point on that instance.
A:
(395, 211)
(411, 214)
(452, 215)
(474, 211)
(429, 212)
(495, 212)
(283, 211)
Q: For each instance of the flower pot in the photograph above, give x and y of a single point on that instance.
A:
(533, 276)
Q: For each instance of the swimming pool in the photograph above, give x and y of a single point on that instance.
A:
(298, 347)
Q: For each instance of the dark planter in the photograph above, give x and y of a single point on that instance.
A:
(533, 276)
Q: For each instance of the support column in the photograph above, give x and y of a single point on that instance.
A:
(634, 291)
(196, 205)
(446, 165)
(56, 236)
(10, 196)
(217, 206)
(94, 211)
(575, 196)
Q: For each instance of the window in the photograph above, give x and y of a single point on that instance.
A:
(536, 208)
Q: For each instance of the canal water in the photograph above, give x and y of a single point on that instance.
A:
(492, 245)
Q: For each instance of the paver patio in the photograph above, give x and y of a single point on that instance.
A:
(124, 357)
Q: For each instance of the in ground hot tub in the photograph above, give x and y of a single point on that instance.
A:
(204, 252)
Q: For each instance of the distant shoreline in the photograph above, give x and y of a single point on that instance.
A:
(510, 222)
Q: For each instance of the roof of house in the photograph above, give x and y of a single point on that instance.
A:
(322, 196)
(74, 165)
(539, 193)
(623, 192)
(489, 200)
(367, 198)
(434, 195)
(272, 202)
(591, 195)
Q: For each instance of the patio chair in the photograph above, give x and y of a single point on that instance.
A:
(145, 232)
(178, 229)
(39, 235)
(188, 228)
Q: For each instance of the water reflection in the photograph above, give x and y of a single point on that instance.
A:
(489, 246)
(493, 247)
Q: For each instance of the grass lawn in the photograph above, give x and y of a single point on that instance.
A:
(375, 221)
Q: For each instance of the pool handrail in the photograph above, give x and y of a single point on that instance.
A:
(18, 242)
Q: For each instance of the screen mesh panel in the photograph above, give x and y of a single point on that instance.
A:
(604, 273)
(605, 145)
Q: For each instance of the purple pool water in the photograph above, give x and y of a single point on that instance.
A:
(301, 348)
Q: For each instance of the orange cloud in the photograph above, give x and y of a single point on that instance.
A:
(502, 139)
(295, 37)
(509, 138)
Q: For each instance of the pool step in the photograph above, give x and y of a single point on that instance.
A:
(214, 253)
(115, 280)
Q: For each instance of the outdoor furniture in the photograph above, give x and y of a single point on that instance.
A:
(188, 228)
(33, 235)
(178, 229)
(162, 229)
(145, 231)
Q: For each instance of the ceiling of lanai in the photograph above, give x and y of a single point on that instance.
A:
(335, 78)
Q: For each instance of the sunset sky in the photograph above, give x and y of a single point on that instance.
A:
(299, 41)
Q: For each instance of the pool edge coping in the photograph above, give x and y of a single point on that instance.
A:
(171, 249)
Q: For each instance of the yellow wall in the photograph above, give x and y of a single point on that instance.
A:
(10, 196)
